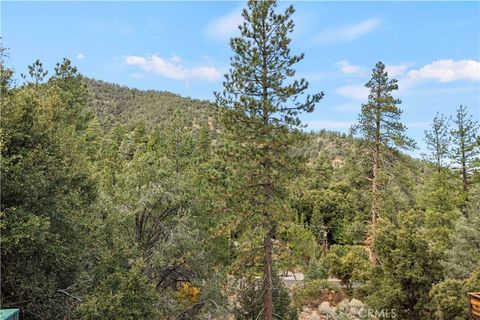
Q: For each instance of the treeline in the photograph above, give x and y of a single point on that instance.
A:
(126, 204)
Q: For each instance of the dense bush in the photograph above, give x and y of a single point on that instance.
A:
(250, 302)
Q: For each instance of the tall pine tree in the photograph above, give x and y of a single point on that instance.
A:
(379, 125)
(438, 141)
(466, 148)
(260, 106)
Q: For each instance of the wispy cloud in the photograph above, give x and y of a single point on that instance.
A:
(442, 71)
(80, 56)
(353, 91)
(328, 124)
(173, 68)
(348, 33)
(225, 27)
(396, 70)
(348, 68)
(448, 70)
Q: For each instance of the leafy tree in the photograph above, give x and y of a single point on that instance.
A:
(465, 149)
(259, 107)
(124, 293)
(448, 298)
(47, 193)
(410, 266)
(379, 125)
(348, 263)
(6, 73)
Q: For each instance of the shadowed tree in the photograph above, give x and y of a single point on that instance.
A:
(259, 107)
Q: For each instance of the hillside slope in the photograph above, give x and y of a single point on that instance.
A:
(115, 104)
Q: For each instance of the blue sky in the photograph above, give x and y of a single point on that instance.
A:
(432, 48)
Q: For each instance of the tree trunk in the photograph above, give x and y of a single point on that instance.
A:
(374, 209)
(267, 274)
(464, 170)
(268, 194)
(267, 245)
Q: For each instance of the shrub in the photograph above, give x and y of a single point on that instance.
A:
(251, 302)
(348, 263)
(311, 290)
(317, 269)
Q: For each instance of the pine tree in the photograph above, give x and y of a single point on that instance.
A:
(259, 109)
(36, 72)
(466, 148)
(438, 141)
(379, 124)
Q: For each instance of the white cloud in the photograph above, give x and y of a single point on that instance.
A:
(80, 56)
(396, 70)
(225, 27)
(348, 33)
(328, 124)
(448, 70)
(348, 68)
(173, 68)
(353, 91)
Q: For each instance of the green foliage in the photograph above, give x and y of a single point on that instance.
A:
(348, 263)
(124, 294)
(250, 300)
(296, 244)
(259, 110)
(379, 120)
(448, 298)
(318, 269)
(119, 203)
(466, 150)
(463, 257)
(47, 192)
(438, 141)
(6, 73)
(118, 105)
(410, 265)
(312, 290)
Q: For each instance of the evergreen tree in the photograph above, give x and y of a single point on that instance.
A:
(466, 148)
(36, 72)
(259, 107)
(379, 125)
(438, 141)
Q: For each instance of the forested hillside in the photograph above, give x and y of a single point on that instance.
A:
(118, 203)
(113, 104)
